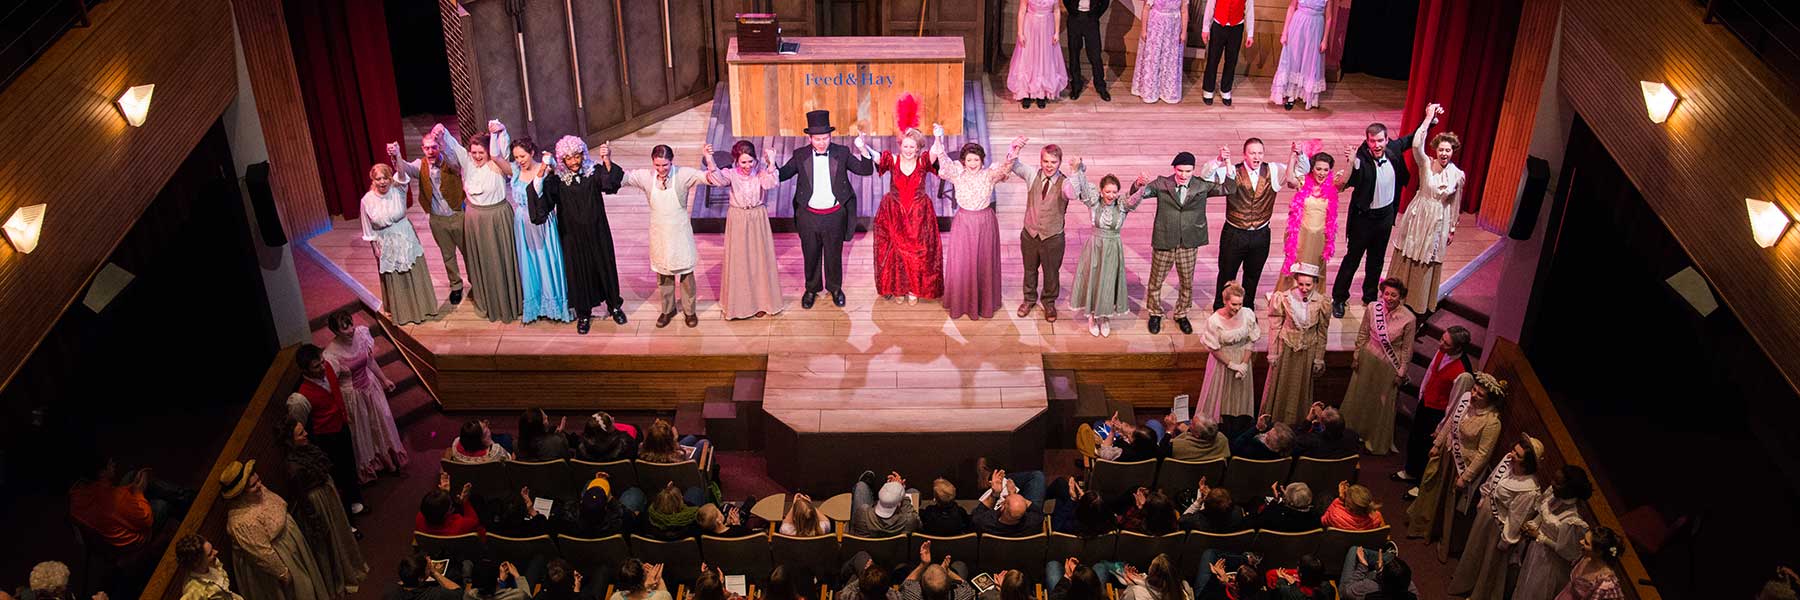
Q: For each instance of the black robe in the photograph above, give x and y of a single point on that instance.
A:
(589, 264)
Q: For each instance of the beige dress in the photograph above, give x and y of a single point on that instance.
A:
(1424, 231)
(1465, 441)
(268, 543)
(1507, 501)
(1298, 345)
(1381, 353)
(1228, 388)
(749, 276)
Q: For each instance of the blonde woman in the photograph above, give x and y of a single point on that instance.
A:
(406, 292)
(803, 519)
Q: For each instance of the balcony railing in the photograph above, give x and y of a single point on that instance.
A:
(29, 27)
(1767, 28)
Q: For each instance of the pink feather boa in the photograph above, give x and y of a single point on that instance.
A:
(1296, 210)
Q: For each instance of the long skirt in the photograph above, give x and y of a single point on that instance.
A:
(1421, 281)
(407, 295)
(334, 548)
(1288, 392)
(1223, 392)
(542, 284)
(1433, 516)
(377, 439)
(972, 265)
(1100, 288)
(492, 255)
(1481, 572)
(909, 258)
(750, 281)
(1542, 573)
(1037, 69)
(1300, 74)
(305, 582)
(1369, 404)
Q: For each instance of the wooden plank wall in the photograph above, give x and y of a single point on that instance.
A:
(281, 109)
(96, 173)
(583, 382)
(1151, 381)
(1518, 112)
(1732, 113)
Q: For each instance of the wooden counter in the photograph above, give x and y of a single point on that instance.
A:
(856, 78)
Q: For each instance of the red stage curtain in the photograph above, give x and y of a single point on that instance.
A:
(347, 77)
(1462, 51)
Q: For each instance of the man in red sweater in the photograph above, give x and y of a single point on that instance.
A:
(1434, 398)
(329, 423)
(1226, 24)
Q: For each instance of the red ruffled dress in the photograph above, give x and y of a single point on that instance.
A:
(908, 256)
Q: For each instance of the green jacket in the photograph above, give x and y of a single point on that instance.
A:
(1180, 223)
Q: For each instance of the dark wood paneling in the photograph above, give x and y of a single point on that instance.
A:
(602, 74)
(552, 76)
(692, 52)
(1518, 112)
(62, 106)
(959, 19)
(1731, 113)
(501, 95)
(281, 109)
(487, 382)
(1153, 380)
(645, 67)
(796, 18)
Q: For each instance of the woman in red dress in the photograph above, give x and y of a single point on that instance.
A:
(908, 256)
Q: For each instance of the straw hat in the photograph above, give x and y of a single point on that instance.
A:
(235, 478)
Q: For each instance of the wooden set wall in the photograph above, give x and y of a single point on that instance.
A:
(1732, 137)
(1151, 381)
(799, 18)
(281, 110)
(97, 173)
(1121, 29)
(596, 68)
(1518, 112)
(577, 382)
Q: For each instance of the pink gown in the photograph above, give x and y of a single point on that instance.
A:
(1038, 69)
(372, 432)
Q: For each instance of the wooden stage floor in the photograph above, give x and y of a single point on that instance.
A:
(827, 367)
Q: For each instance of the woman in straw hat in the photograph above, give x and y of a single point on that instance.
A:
(271, 558)
(1507, 501)
(1463, 448)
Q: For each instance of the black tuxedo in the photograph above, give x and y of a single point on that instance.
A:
(1084, 32)
(1368, 230)
(822, 235)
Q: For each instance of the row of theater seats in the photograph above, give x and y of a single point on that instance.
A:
(1247, 479)
(566, 478)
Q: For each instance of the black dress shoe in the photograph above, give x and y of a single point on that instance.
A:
(455, 297)
(1207, 100)
(1042, 102)
(1075, 91)
(1155, 325)
(1226, 100)
(1104, 96)
(1024, 103)
(618, 316)
(692, 320)
(1288, 105)
(837, 297)
(806, 299)
(1337, 309)
(581, 325)
(1186, 326)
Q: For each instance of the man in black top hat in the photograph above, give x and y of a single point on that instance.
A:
(1179, 232)
(824, 203)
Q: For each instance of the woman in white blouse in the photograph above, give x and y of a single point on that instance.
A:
(972, 254)
(488, 231)
(406, 291)
(1229, 334)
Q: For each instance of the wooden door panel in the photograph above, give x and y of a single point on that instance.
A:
(645, 64)
(552, 76)
(497, 58)
(690, 41)
(602, 80)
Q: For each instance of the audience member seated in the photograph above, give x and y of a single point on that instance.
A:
(1229, 576)
(1213, 512)
(475, 445)
(1150, 513)
(1128, 442)
(445, 514)
(936, 580)
(1269, 440)
(561, 582)
(710, 585)
(602, 440)
(1080, 512)
(1304, 582)
(1199, 441)
(790, 582)
(671, 517)
(888, 512)
(1291, 512)
(803, 519)
(204, 575)
(49, 581)
(1072, 580)
(1371, 574)
(517, 516)
(421, 579)
(1005, 511)
(123, 512)
(1160, 583)
(867, 581)
(639, 581)
(1009, 584)
(1354, 509)
(944, 518)
(537, 442)
(489, 581)
(663, 444)
(600, 514)
(722, 524)
(1326, 436)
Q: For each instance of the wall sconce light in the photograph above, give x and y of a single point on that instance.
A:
(23, 227)
(1659, 100)
(135, 104)
(1767, 221)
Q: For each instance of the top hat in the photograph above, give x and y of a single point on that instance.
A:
(818, 121)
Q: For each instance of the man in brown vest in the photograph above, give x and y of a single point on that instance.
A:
(441, 191)
(1250, 189)
(1041, 241)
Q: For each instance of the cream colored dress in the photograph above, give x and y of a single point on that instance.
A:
(1228, 389)
(1424, 231)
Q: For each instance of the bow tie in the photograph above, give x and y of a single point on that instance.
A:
(816, 154)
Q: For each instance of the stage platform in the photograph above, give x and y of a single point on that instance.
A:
(875, 367)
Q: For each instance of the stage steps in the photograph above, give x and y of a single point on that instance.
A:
(1450, 313)
(324, 295)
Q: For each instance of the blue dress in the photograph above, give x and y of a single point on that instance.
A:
(540, 258)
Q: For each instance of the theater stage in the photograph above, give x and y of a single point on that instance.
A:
(831, 375)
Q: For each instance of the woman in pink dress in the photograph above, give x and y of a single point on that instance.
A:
(1037, 73)
(972, 264)
(908, 260)
(372, 431)
(749, 280)
(1596, 576)
(1158, 72)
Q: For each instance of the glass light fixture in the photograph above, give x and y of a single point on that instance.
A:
(1659, 100)
(135, 104)
(23, 227)
(1767, 221)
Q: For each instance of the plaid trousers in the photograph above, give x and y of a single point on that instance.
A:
(1183, 261)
